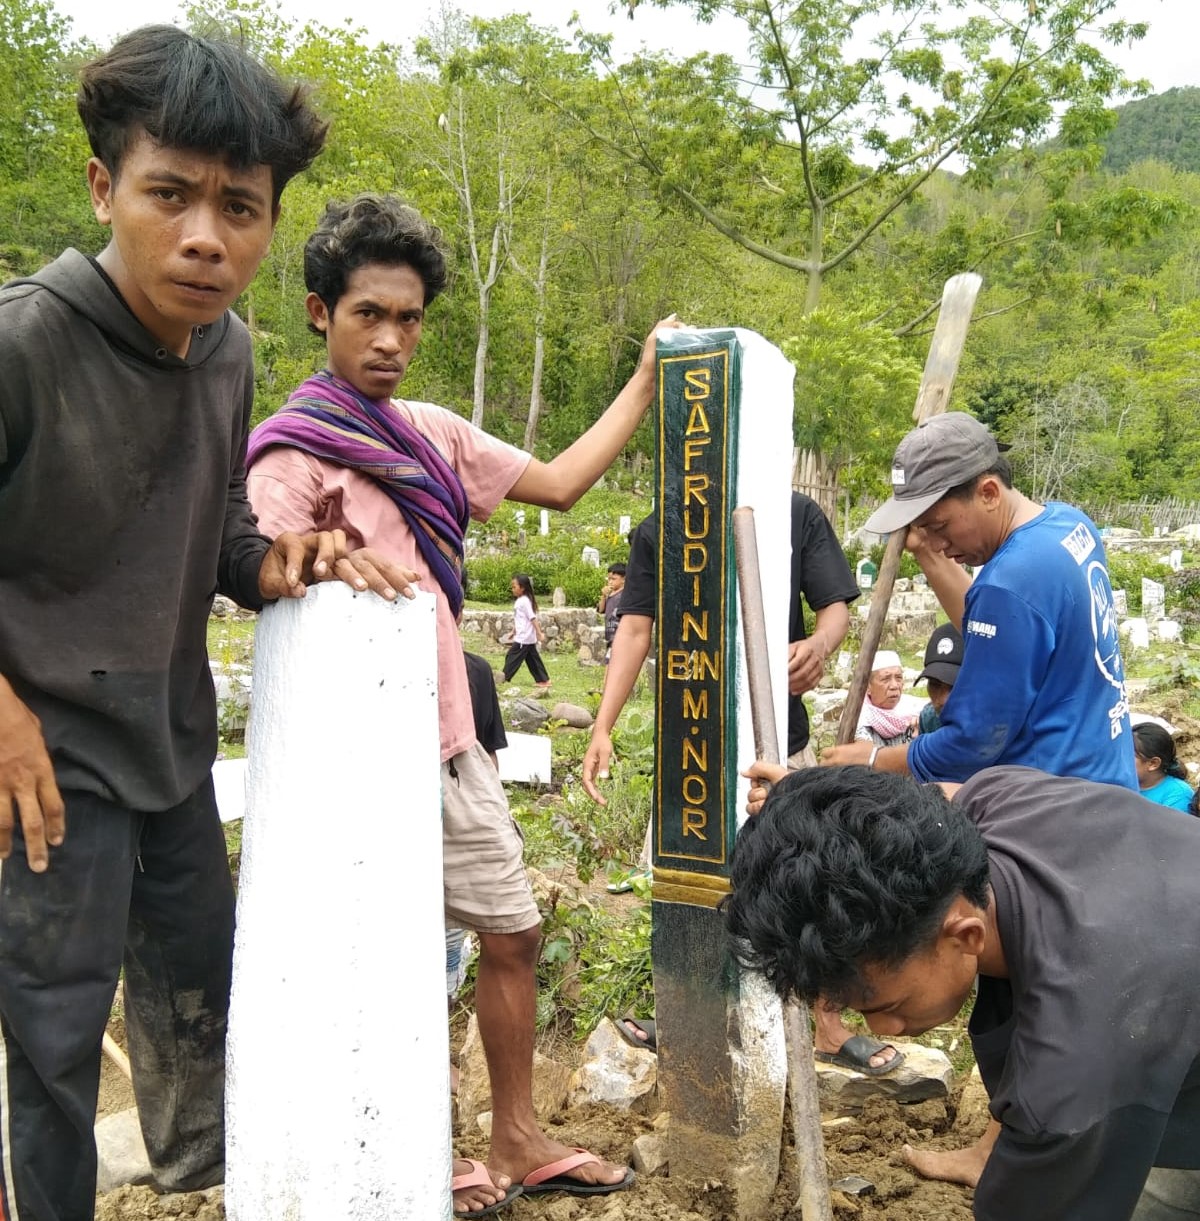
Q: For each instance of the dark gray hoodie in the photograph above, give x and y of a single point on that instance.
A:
(122, 511)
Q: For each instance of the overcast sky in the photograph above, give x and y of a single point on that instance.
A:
(1166, 56)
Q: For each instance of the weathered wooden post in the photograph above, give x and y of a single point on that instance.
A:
(724, 438)
(338, 1100)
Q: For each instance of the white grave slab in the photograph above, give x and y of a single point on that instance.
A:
(338, 1103)
(229, 782)
(526, 759)
(1153, 599)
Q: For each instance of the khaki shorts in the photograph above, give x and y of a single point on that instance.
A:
(482, 851)
(805, 757)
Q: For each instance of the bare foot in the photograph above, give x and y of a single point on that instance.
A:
(473, 1199)
(519, 1158)
(949, 1165)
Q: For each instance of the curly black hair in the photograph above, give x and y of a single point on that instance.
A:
(203, 94)
(846, 868)
(371, 228)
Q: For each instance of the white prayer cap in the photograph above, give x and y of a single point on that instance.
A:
(885, 659)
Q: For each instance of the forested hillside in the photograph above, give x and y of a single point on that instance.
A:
(1165, 127)
(824, 206)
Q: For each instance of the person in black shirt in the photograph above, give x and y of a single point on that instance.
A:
(820, 576)
(1086, 1027)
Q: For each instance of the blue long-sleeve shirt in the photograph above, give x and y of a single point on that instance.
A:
(1042, 682)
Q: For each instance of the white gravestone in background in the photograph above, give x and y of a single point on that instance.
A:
(1153, 599)
(338, 1101)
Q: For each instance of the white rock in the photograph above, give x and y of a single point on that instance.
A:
(614, 1072)
(925, 1073)
(1136, 632)
(1168, 629)
(649, 1153)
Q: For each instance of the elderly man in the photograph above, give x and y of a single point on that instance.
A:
(889, 714)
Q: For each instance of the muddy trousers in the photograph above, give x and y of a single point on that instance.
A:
(152, 893)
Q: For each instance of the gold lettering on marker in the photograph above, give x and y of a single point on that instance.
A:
(693, 451)
(699, 754)
(694, 822)
(689, 530)
(696, 784)
(695, 708)
(694, 487)
(698, 421)
(692, 624)
(697, 383)
(679, 665)
(695, 557)
(706, 665)
(695, 591)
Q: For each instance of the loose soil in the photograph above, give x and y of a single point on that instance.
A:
(866, 1145)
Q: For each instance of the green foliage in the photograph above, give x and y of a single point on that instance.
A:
(855, 384)
(1165, 127)
(1126, 570)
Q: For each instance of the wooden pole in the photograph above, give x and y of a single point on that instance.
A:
(937, 381)
(812, 1177)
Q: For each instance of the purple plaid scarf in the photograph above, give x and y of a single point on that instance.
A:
(328, 418)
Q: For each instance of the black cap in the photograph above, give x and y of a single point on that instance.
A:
(943, 655)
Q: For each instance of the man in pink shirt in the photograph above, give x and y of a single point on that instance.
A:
(404, 478)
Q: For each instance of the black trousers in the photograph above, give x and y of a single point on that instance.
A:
(151, 892)
(527, 653)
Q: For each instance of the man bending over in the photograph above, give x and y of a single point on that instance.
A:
(892, 896)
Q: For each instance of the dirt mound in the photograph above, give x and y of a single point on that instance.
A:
(867, 1145)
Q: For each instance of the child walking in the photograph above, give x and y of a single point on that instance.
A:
(527, 634)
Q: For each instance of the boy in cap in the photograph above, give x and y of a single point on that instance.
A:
(943, 659)
(1043, 683)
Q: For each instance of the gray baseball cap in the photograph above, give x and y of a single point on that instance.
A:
(943, 452)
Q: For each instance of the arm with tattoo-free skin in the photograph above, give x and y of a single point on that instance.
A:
(947, 579)
(630, 648)
(807, 658)
(558, 484)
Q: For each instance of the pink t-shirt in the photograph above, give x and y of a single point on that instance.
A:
(293, 490)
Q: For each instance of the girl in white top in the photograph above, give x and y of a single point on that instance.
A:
(527, 634)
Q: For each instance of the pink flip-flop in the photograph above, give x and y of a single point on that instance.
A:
(554, 1176)
(479, 1177)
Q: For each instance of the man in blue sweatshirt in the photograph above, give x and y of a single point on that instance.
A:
(1042, 684)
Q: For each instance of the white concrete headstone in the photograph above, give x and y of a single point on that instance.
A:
(624, 524)
(526, 758)
(544, 522)
(1120, 602)
(338, 1102)
(590, 555)
(1175, 559)
(1153, 599)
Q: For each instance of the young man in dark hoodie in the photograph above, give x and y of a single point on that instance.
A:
(125, 396)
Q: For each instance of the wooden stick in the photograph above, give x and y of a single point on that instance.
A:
(112, 1050)
(941, 367)
(812, 1176)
